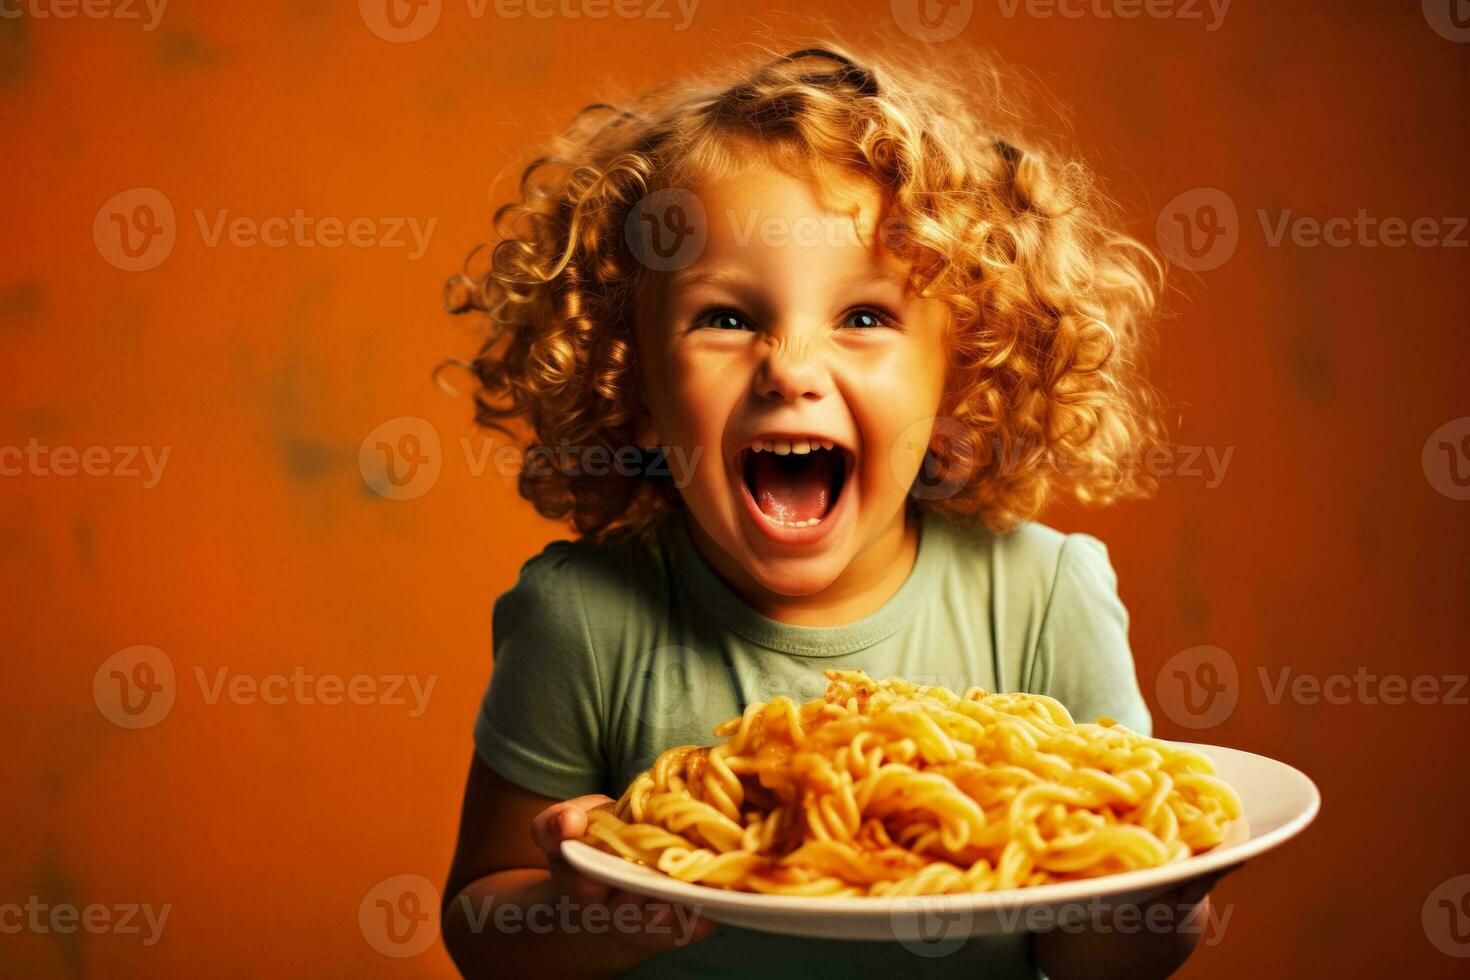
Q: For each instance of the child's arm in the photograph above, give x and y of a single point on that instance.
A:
(497, 863)
(511, 901)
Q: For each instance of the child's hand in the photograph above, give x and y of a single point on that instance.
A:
(660, 926)
(568, 821)
(1145, 952)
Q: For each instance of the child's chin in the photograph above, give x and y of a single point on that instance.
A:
(797, 576)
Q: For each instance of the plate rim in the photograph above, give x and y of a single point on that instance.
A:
(586, 859)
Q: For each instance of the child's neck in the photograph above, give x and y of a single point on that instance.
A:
(869, 581)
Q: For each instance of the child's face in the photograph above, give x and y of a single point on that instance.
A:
(774, 338)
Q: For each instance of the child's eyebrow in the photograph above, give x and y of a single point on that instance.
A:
(713, 277)
(735, 280)
(876, 277)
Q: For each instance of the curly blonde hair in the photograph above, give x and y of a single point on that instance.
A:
(1048, 298)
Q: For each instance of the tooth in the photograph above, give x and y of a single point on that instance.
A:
(826, 443)
(801, 446)
(809, 522)
(783, 447)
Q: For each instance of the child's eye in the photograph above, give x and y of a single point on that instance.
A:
(861, 318)
(869, 318)
(721, 318)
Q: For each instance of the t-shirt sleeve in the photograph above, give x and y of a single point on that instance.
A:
(540, 725)
(1082, 656)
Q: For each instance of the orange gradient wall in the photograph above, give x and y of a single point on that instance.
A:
(1334, 540)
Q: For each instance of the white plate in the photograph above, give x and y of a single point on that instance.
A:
(1279, 803)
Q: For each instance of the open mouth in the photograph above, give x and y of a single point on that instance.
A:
(795, 482)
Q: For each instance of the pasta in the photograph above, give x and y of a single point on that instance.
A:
(889, 788)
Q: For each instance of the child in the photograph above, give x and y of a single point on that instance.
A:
(801, 352)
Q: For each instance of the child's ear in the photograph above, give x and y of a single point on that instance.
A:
(645, 433)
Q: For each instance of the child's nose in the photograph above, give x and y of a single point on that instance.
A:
(791, 370)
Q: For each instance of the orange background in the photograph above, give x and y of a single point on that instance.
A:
(262, 549)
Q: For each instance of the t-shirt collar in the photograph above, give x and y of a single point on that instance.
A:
(709, 591)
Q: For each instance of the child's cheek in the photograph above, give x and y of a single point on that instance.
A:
(894, 398)
(706, 393)
(893, 392)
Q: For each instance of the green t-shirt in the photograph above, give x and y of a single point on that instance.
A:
(608, 654)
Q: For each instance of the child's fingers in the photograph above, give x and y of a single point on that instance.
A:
(659, 924)
(570, 824)
(576, 885)
(588, 890)
(563, 821)
(568, 821)
(655, 908)
(621, 896)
